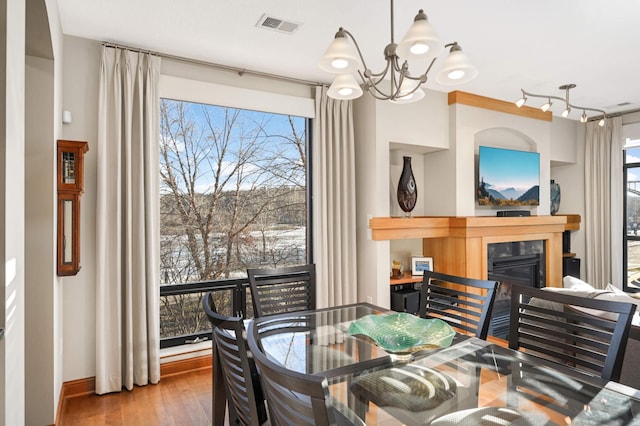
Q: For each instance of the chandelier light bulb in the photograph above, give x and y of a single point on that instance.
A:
(601, 122)
(566, 112)
(419, 48)
(521, 101)
(456, 74)
(345, 91)
(339, 63)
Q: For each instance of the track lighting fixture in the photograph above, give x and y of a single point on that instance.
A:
(567, 105)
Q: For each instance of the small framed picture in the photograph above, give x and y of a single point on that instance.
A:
(421, 264)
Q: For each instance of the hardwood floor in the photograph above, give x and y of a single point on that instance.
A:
(181, 399)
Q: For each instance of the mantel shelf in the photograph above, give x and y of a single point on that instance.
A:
(394, 228)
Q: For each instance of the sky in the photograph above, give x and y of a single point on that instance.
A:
(273, 125)
(506, 168)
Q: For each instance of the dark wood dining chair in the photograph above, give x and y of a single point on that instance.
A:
(241, 379)
(559, 327)
(295, 398)
(281, 290)
(464, 303)
(562, 329)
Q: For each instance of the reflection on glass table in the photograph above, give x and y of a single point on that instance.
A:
(318, 342)
(475, 382)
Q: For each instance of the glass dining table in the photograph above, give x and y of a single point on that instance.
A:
(467, 381)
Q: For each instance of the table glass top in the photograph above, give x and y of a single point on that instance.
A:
(469, 381)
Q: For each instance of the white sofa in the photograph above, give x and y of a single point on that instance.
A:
(631, 365)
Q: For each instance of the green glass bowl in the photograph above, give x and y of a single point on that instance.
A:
(403, 333)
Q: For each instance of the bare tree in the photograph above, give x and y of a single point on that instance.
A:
(225, 175)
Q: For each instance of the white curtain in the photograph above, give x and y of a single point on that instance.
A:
(604, 203)
(127, 222)
(334, 198)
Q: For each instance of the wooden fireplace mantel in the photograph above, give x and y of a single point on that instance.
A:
(458, 245)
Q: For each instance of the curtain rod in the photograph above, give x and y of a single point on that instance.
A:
(614, 114)
(239, 71)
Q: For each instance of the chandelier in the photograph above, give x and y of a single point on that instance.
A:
(567, 105)
(395, 82)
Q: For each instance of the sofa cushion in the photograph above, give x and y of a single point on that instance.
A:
(573, 282)
(620, 296)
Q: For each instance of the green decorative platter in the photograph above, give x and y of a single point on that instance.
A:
(403, 333)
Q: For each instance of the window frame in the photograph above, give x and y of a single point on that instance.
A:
(626, 237)
(195, 91)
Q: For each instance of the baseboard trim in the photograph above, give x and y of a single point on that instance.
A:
(172, 368)
(72, 389)
(80, 387)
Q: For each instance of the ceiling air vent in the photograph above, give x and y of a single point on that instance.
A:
(277, 24)
(614, 106)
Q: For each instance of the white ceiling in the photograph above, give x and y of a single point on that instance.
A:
(534, 45)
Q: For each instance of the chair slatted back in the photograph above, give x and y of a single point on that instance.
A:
(281, 290)
(556, 327)
(241, 378)
(465, 303)
(293, 398)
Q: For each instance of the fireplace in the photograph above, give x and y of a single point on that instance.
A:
(519, 262)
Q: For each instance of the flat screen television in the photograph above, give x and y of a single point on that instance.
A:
(507, 177)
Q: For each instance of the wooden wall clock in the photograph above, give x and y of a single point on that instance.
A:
(70, 183)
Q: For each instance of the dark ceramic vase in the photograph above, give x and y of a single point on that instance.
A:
(555, 197)
(407, 190)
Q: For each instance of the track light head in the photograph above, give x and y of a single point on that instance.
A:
(583, 117)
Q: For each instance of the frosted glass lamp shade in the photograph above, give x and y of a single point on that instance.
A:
(420, 40)
(344, 87)
(340, 57)
(407, 86)
(456, 69)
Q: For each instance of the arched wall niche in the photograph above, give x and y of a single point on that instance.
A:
(502, 137)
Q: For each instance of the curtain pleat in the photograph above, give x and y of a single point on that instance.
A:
(334, 214)
(603, 203)
(127, 222)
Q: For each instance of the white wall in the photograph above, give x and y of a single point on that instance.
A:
(81, 62)
(40, 240)
(43, 356)
(372, 171)
(12, 223)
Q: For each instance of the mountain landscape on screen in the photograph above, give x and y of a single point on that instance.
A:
(507, 177)
(488, 195)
